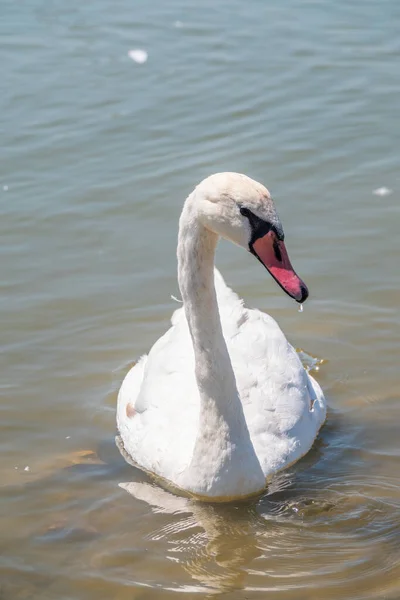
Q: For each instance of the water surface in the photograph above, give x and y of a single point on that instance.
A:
(98, 154)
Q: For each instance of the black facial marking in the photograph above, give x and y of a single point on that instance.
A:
(259, 227)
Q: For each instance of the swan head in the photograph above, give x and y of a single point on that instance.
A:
(241, 210)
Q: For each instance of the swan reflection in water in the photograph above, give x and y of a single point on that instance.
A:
(215, 543)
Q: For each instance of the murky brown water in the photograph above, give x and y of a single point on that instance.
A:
(98, 154)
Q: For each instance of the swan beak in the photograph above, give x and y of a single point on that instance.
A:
(271, 251)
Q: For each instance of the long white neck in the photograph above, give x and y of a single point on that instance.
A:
(223, 453)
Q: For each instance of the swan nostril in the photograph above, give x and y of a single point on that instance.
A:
(277, 251)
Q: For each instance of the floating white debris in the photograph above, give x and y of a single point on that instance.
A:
(176, 299)
(178, 24)
(5, 188)
(67, 437)
(138, 56)
(301, 308)
(27, 469)
(383, 191)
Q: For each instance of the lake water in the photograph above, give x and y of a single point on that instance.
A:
(98, 153)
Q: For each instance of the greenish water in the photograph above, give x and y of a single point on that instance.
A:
(97, 155)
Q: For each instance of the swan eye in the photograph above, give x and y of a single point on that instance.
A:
(245, 211)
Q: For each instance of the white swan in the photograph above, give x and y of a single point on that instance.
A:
(222, 401)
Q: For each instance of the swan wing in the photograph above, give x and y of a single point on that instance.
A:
(283, 405)
(160, 432)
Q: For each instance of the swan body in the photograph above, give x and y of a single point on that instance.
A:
(222, 401)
